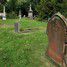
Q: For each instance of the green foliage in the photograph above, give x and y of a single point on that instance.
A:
(23, 5)
(1, 8)
(46, 8)
(23, 50)
(11, 5)
(43, 8)
(11, 15)
(3, 1)
(16, 5)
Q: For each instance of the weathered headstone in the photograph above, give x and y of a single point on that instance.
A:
(30, 13)
(57, 36)
(16, 25)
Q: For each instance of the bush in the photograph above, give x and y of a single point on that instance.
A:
(46, 8)
(38, 18)
(12, 15)
(0, 17)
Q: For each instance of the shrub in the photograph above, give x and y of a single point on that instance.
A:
(12, 15)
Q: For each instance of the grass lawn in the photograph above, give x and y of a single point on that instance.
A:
(24, 49)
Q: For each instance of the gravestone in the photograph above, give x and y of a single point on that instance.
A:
(30, 13)
(57, 36)
(24, 16)
(4, 13)
(16, 26)
(19, 14)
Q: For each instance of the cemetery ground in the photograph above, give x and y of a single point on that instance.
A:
(26, 48)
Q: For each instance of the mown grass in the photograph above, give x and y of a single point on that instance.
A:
(24, 50)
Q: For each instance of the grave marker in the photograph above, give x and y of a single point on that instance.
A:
(20, 14)
(4, 13)
(16, 25)
(57, 35)
(30, 13)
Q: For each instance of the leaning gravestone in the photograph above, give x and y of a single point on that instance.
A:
(57, 36)
(16, 25)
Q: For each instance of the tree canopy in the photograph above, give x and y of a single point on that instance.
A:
(46, 8)
(42, 8)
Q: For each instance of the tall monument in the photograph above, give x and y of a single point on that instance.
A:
(30, 13)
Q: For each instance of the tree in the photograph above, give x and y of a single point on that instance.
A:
(46, 8)
(13, 6)
(3, 1)
(2, 4)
